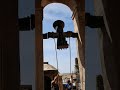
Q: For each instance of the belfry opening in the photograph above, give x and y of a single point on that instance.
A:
(59, 39)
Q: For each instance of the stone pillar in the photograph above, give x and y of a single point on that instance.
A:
(39, 45)
(81, 41)
(108, 62)
(9, 46)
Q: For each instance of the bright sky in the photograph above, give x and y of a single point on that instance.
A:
(53, 12)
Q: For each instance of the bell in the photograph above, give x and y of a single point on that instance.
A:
(61, 41)
(58, 26)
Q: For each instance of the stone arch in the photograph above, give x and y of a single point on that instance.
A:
(74, 7)
(78, 20)
(70, 3)
(78, 8)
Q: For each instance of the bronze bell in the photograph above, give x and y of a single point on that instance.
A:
(61, 41)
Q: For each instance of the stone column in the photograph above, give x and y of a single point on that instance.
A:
(39, 45)
(9, 46)
(81, 41)
(108, 61)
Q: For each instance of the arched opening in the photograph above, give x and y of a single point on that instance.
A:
(53, 12)
(69, 19)
(79, 20)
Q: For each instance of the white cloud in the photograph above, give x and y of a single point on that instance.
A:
(56, 11)
(57, 7)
